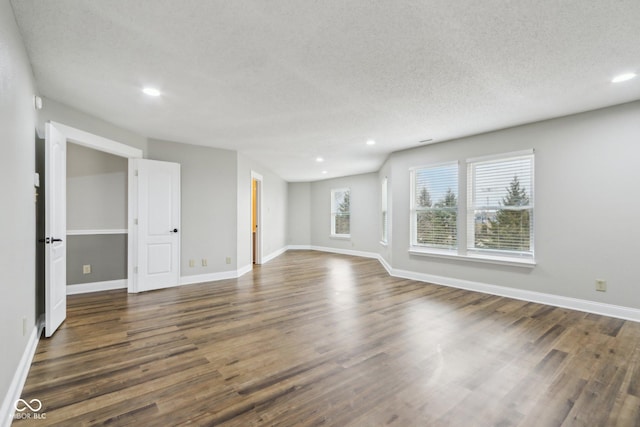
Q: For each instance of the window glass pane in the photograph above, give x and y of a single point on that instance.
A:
(342, 223)
(436, 206)
(502, 205)
(493, 180)
(340, 212)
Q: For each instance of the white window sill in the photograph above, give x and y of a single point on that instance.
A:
(489, 259)
(340, 236)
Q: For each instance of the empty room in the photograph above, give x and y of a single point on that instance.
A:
(342, 213)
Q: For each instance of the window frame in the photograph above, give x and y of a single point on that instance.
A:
(464, 232)
(384, 201)
(413, 233)
(333, 212)
(471, 249)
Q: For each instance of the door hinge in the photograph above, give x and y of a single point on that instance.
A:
(136, 174)
(135, 221)
(135, 270)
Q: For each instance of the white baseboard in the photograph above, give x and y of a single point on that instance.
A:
(351, 252)
(210, 277)
(274, 254)
(214, 277)
(20, 377)
(299, 247)
(617, 311)
(385, 264)
(244, 270)
(84, 288)
(587, 306)
(333, 250)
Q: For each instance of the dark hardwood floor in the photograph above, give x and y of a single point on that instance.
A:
(321, 339)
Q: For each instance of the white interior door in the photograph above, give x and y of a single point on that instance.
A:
(55, 229)
(158, 231)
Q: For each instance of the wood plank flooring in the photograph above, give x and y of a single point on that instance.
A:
(321, 339)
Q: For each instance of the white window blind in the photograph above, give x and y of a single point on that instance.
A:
(341, 212)
(434, 206)
(383, 193)
(500, 205)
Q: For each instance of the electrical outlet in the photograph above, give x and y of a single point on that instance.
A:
(204, 262)
(228, 260)
(601, 285)
(86, 269)
(24, 326)
(192, 263)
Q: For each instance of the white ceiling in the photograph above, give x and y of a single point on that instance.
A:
(285, 81)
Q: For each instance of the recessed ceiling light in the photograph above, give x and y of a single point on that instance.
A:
(623, 77)
(324, 172)
(319, 159)
(371, 142)
(151, 91)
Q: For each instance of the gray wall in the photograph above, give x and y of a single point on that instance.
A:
(107, 255)
(586, 205)
(587, 211)
(17, 168)
(299, 213)
(365, 213)
(274, 210)
(209, 204)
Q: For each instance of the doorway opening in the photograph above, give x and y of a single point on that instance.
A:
(256, 218)
(97, 193)
(57, 136)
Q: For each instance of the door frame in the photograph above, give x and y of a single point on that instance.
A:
(258, 245)
(106, 145)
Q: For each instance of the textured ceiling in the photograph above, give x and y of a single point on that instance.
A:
(285, 81)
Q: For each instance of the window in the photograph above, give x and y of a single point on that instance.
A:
(340, 212)
(434, 206)
(500, 206)
(383, 197)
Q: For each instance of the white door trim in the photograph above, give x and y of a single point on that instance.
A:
(106, 145)
(96, 142)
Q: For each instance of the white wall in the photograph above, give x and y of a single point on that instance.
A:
(365, 213)
(17, 168)
(209, 204)
(586, 205)
(299, 214)
(274, 211)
